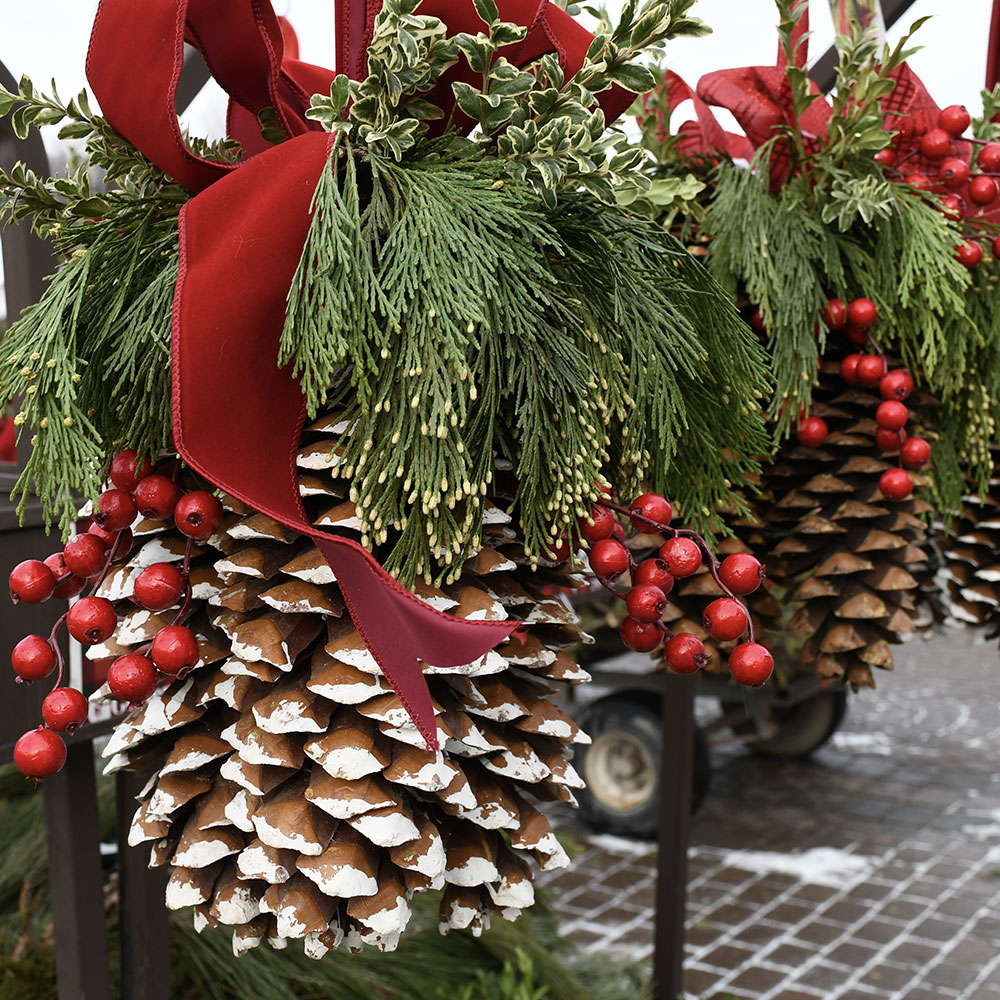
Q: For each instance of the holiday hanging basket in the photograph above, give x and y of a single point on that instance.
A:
(366, 374)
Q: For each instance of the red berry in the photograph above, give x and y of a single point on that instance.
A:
(969, 253)
(156, 496)
(91, 620)
(685, 653)
(756, 320)
(608, 558)
(750, 663)
(617, 531)
(885, 158)
(915, 453)
(952, 207)
(602, 526)
(741, 573)
(889, 440)
(159, 587)
(198, 515)
(175, 648)
(39, 753)
(895, 484)
(892, 415)
(954, 119)
(849, 368)
(725, 619)
(115, 510)
(835, 314)
(33, 658)
(682, 556)
(988, 158)
(65, 709)
(917, 180)
(812, 432)
(121, 540)
(996, 247)
(870, 370)
(858, 335)
(132, 678)
(85, 555)
(67, 584)
(31, 581)
(935, 144)
(646, 603)
(650, 512)
(656, 572)
(897, 384)
(641, 636)
(862, 312)
(983, 190)
(125, 472)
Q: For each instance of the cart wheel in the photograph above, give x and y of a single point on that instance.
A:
(621, 766)
(802, 727)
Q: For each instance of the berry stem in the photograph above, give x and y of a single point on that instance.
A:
(185, 572)
(54, 643)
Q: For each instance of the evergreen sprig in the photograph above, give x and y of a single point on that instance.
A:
(454, 315)
(89, 362)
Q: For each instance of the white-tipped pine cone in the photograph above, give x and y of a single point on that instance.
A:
(290, 793)
(971, 553)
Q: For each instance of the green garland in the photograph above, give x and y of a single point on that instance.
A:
(460, 297)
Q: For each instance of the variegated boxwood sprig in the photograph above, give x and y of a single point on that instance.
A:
(547, 125)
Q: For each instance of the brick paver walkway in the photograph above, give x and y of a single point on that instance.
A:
(871, 872)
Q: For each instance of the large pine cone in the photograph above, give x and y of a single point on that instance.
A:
(971, 553)
(290, 792)
(848, 572)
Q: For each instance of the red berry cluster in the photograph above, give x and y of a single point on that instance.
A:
(652, 579)
(870, 370)
(940, 160)
(86, 558)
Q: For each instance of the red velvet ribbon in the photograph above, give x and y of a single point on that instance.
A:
(238, 417)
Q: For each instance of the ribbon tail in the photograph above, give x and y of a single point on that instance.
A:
(238, 417)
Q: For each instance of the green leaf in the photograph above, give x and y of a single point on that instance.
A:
(633, 77)
(7, 101)
(487, 11)
(507, 33)
(468, 99)
(270, 125)
(340, 91)
(76, 130)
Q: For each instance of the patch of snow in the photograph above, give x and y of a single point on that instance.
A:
(828, 866)
(875, 743)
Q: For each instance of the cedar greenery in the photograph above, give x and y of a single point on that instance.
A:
(461, 298)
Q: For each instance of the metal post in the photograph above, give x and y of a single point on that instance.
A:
(676, 767)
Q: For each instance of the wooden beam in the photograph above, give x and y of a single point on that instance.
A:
(76, 879)
(144, 929)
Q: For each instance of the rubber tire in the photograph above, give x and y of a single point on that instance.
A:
(802, 727)
(631, 719)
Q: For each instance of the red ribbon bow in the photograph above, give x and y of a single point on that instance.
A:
(760, 99)
(237, 417)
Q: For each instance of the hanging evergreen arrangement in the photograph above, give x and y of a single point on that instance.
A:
(363, 377)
